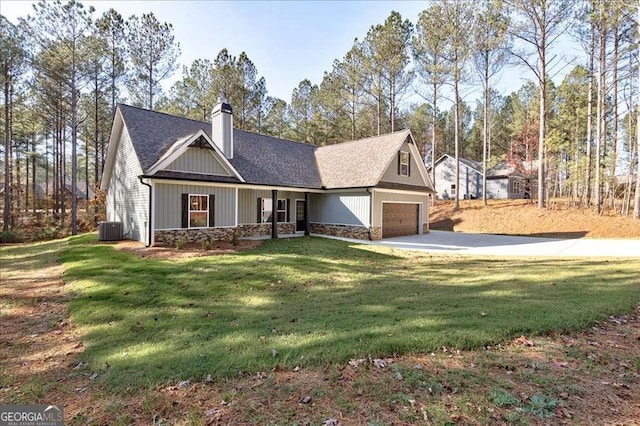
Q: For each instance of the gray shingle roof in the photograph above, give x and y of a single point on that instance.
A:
(152, 133)
(266, 160)
(358, 163)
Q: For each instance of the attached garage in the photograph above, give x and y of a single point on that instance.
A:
(400, 219)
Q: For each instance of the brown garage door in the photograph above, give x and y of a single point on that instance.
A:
(399, 219)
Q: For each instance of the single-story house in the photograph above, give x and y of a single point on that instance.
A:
(504, 180)
(168, 178)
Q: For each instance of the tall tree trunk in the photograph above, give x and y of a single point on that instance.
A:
(96, 160)
(6, 217)
(614, 142)
(485, 127)
(600, 113)
(542, 115)
(74, 146)
(456, 138)
(27, 183)
(587, 183)
(636, 199)
(434, 123)
(33, 171)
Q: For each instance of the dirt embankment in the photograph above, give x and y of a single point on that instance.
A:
(520, 217)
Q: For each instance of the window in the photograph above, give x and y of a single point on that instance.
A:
(517, 187)
(403, 163)
(266, 210)
(453, 189)
(198, 211)
(282, 211)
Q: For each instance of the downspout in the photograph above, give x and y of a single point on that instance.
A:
(370, 191)
(148, 243)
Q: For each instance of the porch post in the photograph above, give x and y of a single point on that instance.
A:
(274, 213)
(306, 214)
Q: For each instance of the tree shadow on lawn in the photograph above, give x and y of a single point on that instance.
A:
(315, 301)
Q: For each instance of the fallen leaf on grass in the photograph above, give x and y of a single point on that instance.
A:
(357, 362)
(560, 364)
(380, 363)
(305, 399)
(331, 422)
(523, 341)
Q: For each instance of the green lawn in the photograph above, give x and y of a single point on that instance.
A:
(318, 301)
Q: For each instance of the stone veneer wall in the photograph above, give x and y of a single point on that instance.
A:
(168, 237)
(375, 233)
(425, 228)
(346, 231)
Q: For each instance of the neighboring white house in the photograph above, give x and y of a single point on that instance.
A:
(504, 180)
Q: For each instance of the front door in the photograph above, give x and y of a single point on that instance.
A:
(300, 223)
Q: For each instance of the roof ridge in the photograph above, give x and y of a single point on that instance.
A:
(273, 137)
(163, 113)
(364, 139)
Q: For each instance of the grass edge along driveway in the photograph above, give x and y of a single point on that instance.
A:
(312, 301)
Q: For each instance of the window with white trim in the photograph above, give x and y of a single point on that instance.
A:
(517, 187)
(404, 163)
(266, 210)
(281, 211)
(198, 211)
(453, 189)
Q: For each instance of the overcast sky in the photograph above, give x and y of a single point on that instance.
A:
(287, 41)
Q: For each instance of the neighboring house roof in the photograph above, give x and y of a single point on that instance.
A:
(475, 165)
(358, 163)
(261, 159)
(500, 170)
(505, 168)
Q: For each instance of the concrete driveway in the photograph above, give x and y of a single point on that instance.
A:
(502, 245)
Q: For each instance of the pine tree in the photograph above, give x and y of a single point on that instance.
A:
(152, 52)
(13, 53)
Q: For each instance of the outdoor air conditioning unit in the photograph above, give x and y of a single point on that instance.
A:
(110, 231)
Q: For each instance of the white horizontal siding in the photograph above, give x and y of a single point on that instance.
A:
(128, 199)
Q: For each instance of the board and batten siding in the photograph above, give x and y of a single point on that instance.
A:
(127, 200)
(168, 205)
(414, 178)
(346, 208)
(380, 196)
(199, 160)
(248, 203)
